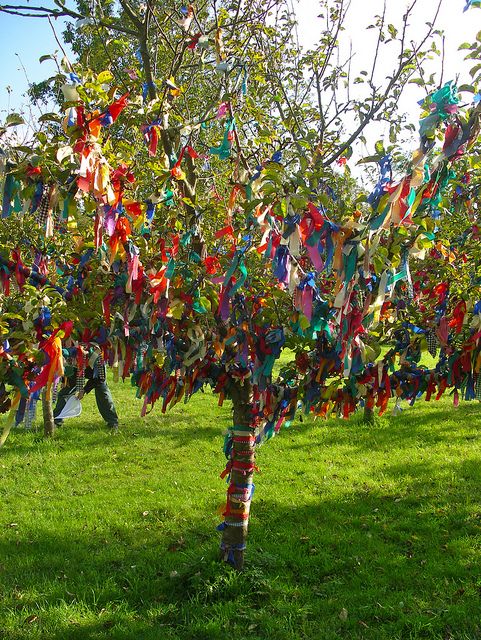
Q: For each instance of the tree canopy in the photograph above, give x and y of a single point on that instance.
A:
(189, 206)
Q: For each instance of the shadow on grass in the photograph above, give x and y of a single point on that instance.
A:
(176, 430)
(412, 425)
(181, 426)
(403, 562)
(123, 577)
(404, 565)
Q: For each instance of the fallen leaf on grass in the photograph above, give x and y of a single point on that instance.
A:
(343, 614)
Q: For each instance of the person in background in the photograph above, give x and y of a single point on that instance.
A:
(85, 370)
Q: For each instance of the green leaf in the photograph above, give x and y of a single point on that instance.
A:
(419, 81)
(49, 117)
(104, 77)
(14, 119)
(65, 64)
(368, 159)
(303, 162)
(475, 70)
(23, 149)
(392, 30)
(46, 57)
(298, 202)
(379, 146)
(251, 205)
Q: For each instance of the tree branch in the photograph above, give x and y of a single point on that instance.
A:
(386, 93)
(27, 11)
(133, 17)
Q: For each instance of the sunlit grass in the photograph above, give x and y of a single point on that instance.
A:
(356, 531)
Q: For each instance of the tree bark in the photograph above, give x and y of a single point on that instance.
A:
(241, 466)
(47, 410)
(369, 408)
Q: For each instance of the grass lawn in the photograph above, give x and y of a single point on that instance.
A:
(356, 532)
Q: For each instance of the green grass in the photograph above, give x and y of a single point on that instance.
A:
(356, 532)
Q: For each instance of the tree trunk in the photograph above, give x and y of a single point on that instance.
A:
(369, 408)
(241, 465)
(47, 410)
(368, 415)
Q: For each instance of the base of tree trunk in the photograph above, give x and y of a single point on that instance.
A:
(235, 559)
(47, 411)
(369, 416)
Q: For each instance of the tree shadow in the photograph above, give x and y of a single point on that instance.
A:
(125, 586)
(176, 430)
(370, 550)
(396, 430)
(395, 561)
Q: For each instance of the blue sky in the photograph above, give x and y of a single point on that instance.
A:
(30, 38)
